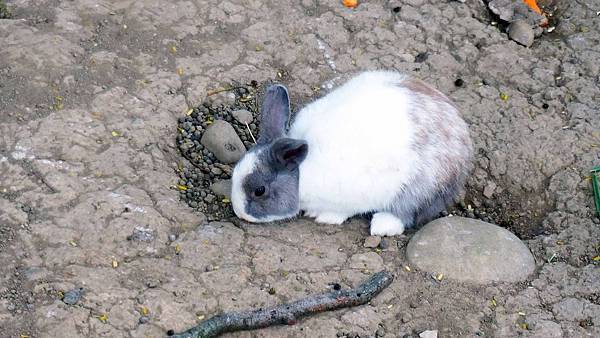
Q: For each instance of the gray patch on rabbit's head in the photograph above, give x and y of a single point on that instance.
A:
(263, 191)
(265, 181)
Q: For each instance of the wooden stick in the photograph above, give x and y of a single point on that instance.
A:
(220, 90)
(290, 312)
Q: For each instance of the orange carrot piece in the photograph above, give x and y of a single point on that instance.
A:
(533, 5)
(350, 3)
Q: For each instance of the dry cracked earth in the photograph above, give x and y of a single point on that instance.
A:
(90, 94)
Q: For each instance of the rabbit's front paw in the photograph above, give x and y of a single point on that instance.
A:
(386, 224)
(331, 218)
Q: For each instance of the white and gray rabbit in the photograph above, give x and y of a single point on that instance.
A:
(383, 143)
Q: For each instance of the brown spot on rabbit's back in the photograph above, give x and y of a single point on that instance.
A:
(438, 128)
(419, 87)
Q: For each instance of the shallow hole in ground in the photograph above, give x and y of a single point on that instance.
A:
(202, 175)
(203, 169)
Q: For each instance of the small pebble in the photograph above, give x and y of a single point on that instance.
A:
(243, 116)
(489, 189)
(521, 32)
(141, 234)
(144, 319)
(421, 57)
(429, 334)
(459, 82)
(372, 241)
(221, 188)
(384, 244)
(406, 318)
(153, 283)
(72, 296)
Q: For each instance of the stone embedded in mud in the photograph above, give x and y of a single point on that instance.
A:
(470, 250)
(548, 329)
(243, 116)
(372, 242)
(226, 98)
(142, 234)
(71, 297)
(489, 189)
(221, 139)
(511, 10)
(570, 309)
(521, 32)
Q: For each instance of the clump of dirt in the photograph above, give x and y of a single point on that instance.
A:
(195, 182)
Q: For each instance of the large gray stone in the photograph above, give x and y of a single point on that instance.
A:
(222, 140)
(470, 250)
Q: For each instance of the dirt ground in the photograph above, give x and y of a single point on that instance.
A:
(90, 94)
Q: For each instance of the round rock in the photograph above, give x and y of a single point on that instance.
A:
(470, 250)
(71, 297)
(429, 334)
(222, 188)
(372, 242)
(242, 116)
(222, 140)
(521, 32)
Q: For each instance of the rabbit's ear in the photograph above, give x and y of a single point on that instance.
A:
(288, 153)
(275, 112)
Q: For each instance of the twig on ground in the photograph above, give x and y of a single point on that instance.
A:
(290, 312)
(220, 90)
(191, 160)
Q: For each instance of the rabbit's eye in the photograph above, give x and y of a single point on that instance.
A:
(259, 191)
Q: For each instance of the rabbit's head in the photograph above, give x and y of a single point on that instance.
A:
(265, 180)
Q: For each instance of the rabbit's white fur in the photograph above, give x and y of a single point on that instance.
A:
(361, 153)
(341, 129)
